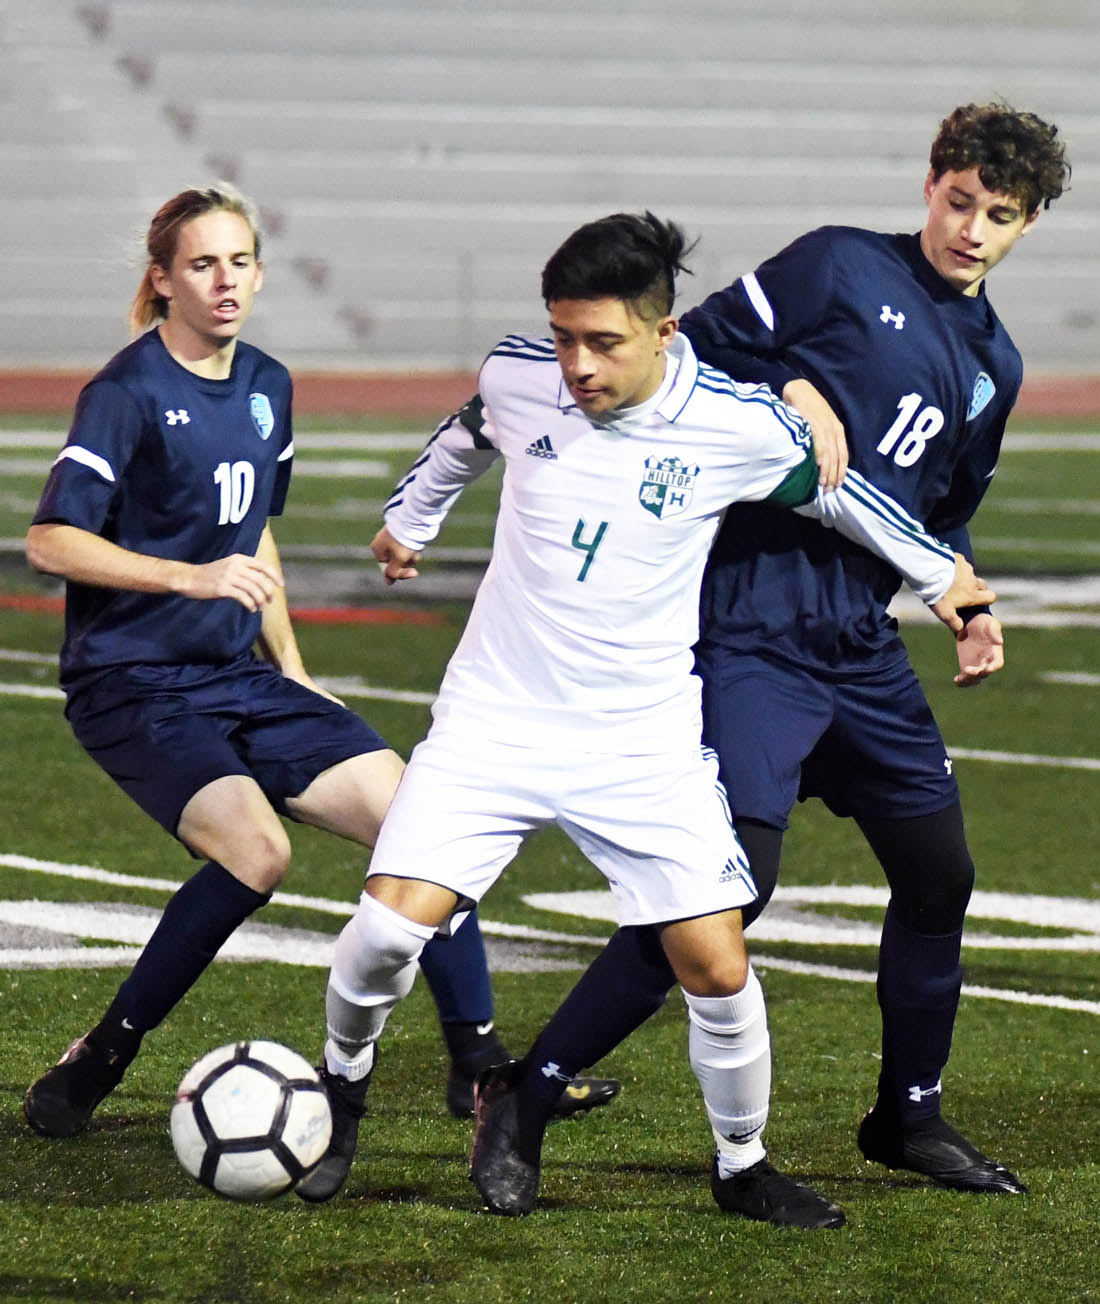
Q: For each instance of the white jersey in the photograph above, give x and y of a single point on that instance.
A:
(581, 632)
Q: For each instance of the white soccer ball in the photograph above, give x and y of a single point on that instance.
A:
(250, 1120)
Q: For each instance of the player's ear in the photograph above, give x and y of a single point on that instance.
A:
(1032, 218)
(929, 185)
(160, 281)
(259, 282)
(666, 332)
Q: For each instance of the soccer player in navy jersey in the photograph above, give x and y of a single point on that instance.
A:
(156, 514)
(890, 341)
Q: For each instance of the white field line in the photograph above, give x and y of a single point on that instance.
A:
(396, 441)
(1000, 905)
(351, 686)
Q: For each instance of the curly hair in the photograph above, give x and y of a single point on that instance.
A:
(625, 256)
(1016, 153)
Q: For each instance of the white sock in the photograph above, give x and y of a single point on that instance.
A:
(373, 967)
(730, 1054)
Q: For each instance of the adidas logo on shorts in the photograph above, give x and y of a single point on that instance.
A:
(542, 448)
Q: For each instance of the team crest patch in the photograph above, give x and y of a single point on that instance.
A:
(262, 416)
(984, 389)
(668, 486)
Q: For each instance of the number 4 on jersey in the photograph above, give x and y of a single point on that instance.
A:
(590, 547)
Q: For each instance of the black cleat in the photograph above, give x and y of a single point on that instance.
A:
(936, 1150)
(763, 1193)
(581, 1095)
(63, 1099)
(508, 1183)
(347, 1100)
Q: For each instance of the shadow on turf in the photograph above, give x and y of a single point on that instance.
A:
(40, 1287)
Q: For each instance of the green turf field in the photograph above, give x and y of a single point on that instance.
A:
(626, 1212)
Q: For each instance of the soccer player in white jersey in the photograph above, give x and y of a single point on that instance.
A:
(571, 698)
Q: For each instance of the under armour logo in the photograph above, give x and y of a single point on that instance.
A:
(179, 415)
(553, 1070)
(948, 765)
(886, 317)
(916, 1095)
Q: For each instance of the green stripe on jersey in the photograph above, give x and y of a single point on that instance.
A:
(798, 487)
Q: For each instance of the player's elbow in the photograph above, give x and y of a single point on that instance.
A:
(40, 549)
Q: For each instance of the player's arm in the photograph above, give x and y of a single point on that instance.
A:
(276, 642)
(458, 452)
(747, 329)
(942, 578)
(980, 644)
(72, 553)
(785, 474)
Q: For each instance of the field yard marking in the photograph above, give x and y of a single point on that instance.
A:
(257, 941)
(32, 690)
(395, 441)
(324, 905)
(1080, 678)
(353, 686)
(1024, 758)
(784, 921)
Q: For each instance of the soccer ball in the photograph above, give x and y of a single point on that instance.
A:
(250, 1120)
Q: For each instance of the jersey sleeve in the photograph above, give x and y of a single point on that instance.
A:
(745, 329)
(84, 478)
(283, 469)
(872, 518)
(778, 466)
(460, 450)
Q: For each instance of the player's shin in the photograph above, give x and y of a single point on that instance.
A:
(919, 984)
(373, 968)
(730, 1053)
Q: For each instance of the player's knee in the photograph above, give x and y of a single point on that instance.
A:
(266, 859)
(936, 903)
(714, 975)
(377, 951)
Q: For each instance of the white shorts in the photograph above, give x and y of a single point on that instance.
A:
(658, 827)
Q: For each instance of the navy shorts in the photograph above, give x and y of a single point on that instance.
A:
(163, 732)
(867, 745)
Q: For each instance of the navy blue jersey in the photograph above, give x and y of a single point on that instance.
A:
(166, 463)
(923, 379)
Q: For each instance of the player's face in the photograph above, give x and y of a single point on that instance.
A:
(969, 229)
(211, 282)
(610, 357)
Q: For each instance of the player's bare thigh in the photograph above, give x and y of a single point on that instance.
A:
(231, 821)
(352, 797)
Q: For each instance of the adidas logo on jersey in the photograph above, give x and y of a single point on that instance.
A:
(542, 448)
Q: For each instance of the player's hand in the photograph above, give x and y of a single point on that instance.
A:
(830, 441)
(967, 590)
(397, 561)
(307, 681)
(246, 580)
(981, 649)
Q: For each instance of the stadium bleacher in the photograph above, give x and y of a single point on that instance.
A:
(415, 166)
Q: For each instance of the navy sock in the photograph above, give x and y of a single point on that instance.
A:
(473, 1047)
(457, 973)
(626, 983)
(196, 922)
(920, 978)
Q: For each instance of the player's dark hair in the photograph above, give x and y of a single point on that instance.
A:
(626, 256)
(1016, 153)
(163, 237)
